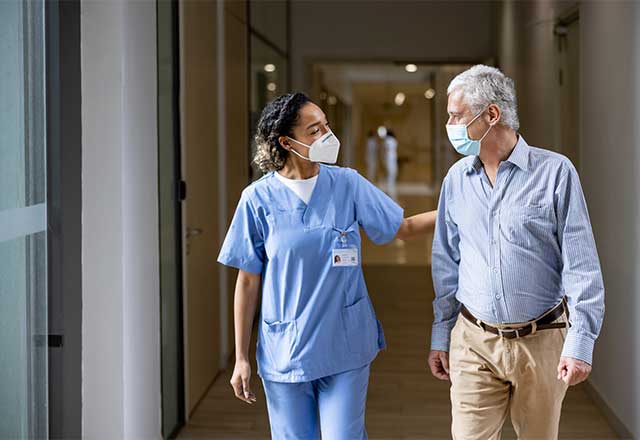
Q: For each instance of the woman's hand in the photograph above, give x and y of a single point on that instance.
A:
(244, 309)
(240, 381)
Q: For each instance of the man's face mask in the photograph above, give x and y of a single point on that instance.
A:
(324, 149)
(459, 137)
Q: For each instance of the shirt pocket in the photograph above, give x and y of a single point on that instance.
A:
(278, 341)
(530, 225)
(361, 327)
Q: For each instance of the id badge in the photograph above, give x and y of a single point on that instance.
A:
(344, 257)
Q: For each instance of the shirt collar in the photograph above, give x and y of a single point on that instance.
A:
(520, 154)
(519, 157)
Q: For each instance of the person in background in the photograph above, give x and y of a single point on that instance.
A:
(372, 155)
(391, 163)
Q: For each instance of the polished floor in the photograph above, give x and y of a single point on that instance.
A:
(404, 401)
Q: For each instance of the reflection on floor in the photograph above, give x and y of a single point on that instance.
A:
(404, 400)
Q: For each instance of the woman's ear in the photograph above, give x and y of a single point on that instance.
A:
(284, 142)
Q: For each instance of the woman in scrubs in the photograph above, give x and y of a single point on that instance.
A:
(295, 236)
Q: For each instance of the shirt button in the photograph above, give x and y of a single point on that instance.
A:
(498, 297)
(495, 270)
(493, 242)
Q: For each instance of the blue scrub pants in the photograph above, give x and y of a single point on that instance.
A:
(333, 405)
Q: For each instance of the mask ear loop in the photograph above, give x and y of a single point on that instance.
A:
(473, 120)
(298, 154)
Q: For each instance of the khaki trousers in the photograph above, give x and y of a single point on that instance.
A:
(491, 376)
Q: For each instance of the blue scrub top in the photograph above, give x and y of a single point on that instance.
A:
(316, 319)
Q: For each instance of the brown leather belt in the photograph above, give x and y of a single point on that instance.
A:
(545, 322)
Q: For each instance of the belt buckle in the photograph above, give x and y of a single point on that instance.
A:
(511, 330)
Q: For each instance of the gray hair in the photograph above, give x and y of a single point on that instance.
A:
(483, 85)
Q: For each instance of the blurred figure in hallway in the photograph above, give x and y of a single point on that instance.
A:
(391, 163)
(514, 261)
(372, 155)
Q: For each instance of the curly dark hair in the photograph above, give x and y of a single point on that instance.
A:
(278, 119)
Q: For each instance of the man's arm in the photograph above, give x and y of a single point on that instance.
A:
(581, 278)
(445, 262)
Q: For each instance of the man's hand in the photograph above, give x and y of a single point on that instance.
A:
(439, 364)
(573, 371)
(240, 381)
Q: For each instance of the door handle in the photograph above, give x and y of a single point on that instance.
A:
(192, 232)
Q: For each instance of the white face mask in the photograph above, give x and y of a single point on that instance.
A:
(323, 150)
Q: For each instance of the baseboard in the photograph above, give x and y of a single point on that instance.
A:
(615, 422)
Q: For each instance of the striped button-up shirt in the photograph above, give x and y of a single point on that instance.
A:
(511, 251)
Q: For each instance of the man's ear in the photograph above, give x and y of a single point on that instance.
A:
(284, 142)
(494, 114)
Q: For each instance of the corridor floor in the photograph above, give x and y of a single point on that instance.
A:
(404, 400)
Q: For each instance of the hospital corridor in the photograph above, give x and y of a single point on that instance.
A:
(305, 219)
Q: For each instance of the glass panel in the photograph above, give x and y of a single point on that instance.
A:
(23, 324)
(268, 81)
(23, 256)
(263, 15)
(11, 106)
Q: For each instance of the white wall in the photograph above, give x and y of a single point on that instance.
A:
(121, 347)
(388, 30)
(610, 69)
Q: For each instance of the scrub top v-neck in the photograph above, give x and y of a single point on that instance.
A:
(316, 317)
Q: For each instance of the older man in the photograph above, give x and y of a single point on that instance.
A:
(519, 293)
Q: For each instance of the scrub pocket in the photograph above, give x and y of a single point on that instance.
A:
(279, 340)
(361, 327)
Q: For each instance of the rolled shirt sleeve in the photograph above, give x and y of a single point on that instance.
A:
(581, 274)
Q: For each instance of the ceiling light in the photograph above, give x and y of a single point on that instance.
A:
(399, 99)
(272, 87)
(430, 93)
(269, 68)
(411, 68)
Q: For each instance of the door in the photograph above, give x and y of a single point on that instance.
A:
(568, 35)
(199, 133)
(23, 219)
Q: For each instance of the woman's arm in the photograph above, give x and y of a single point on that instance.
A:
(417, 225)
(244, 309)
